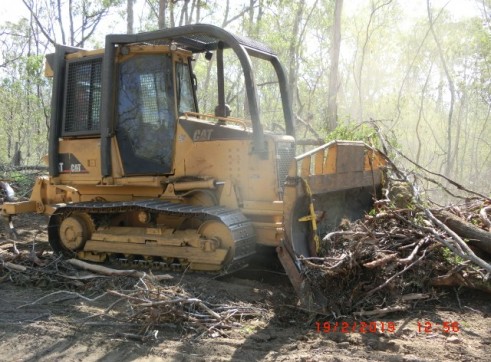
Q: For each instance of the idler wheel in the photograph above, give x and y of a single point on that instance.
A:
(75, 230)
(218, 232)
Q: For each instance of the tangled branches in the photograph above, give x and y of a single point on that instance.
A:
(387, 260)
(152, 304)
(404, 248)
(147, 304)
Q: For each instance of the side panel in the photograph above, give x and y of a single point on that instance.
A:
(79, 161)
(205, 149)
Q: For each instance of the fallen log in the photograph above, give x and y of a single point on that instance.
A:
(13, 266)
(483, 214)
(115, 272)
(479, 238)
(457, 280)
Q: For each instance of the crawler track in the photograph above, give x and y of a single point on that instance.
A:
(238, 225)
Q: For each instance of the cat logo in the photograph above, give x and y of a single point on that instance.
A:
(202, 134)
(68, 163)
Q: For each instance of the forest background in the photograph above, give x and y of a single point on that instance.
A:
(421, 70)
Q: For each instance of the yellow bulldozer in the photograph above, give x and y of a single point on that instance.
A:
(138, 175)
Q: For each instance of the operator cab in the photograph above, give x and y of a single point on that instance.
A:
(136, 89)
(153, 90)
(154, 87)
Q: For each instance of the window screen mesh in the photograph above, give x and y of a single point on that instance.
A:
(152, 93)
(83, 101)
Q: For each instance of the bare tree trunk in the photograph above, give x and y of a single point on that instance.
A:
(368, 35)
(194, 3)
(184, 14)
(251, 16)
(129, 16)
(162, 13)
(16, 160)
(459, 169)
(84, 11)
(410, 68)
(449, 158)
(293, 54)
(60, 21)
(420, 114)
(258, 19)
(332, 120)
(198, 11)
(172, 21)
(297, 36)
(9, 145)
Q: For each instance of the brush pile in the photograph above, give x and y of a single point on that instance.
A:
(397, 254)
(390, 259)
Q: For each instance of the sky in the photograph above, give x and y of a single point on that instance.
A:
(13, 12)
(417, 8)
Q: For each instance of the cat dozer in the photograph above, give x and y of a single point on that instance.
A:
(139, 175)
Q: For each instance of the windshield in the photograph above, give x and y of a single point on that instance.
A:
(185, 94)
(146, 119)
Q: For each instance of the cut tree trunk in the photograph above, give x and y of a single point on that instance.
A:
(478, 238)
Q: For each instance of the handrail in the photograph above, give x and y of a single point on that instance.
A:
(239, 121)
(324, 146)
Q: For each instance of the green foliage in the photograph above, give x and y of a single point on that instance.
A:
(34, 65)
(352, 132)
(24, 95)
(22, 182)
(451, 257)
(390, 68)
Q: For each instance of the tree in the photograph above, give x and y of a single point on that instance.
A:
(426, 77)
(451, 87)
(129, 16)
(333, 73)
(23, 96)
(371, 27)
(82, 18)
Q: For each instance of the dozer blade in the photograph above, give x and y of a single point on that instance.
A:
(339, 180)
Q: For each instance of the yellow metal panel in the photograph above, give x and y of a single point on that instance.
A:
(152, 249)
(319, 162)
(88, 153)
(84, 53)
(151, 49)
(106, 197)
(267, 234)
(116, 162)
(48, 71)
(253, 178)
(138, 235)
(330, 161)
(18, 207)
(274, 208)
(305, 167)
(373, 160)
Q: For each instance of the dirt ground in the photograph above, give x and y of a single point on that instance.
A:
(65, 327)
